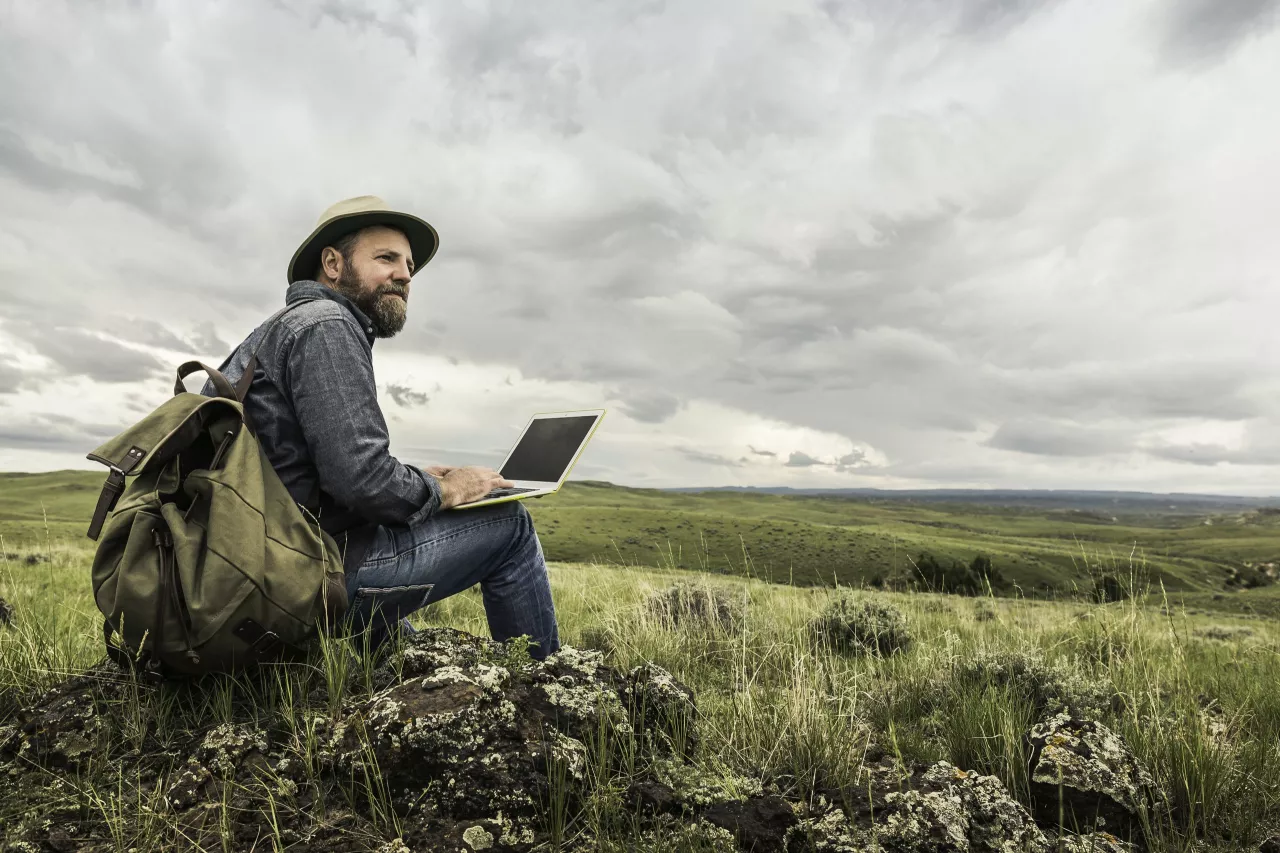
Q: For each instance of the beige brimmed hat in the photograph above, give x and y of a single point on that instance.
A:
(353, 214)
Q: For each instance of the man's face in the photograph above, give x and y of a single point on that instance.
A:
(376, 278)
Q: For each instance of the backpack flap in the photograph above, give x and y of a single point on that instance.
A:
(155, 440)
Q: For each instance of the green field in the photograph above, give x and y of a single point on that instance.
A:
(1190, 690)
(819, 541)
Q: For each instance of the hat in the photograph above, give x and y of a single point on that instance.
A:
(352, 215)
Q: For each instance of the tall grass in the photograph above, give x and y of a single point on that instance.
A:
(1202, 714)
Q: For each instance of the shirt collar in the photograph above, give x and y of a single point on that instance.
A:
(309, 291)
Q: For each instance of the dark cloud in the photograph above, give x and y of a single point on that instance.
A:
(904, 224)
(11, 376)
(649, 407)
(81, 353)
(802, 460)
(1044, 437)
(761, 452)
(44, 431)
(405, 396)
(1208, 30)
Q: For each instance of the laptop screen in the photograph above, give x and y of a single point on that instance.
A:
(546, 448)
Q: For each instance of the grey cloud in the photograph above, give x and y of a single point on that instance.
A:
(80, 353)
(151, 333)
(955, 229)
(1208, 30)
(204, 339)
(44, 431)
(649, 407)
(1215, 454)
(761, 452)
(11, 376)
(801, 460)
(1045, 437)
(406, 397)
(703, 458)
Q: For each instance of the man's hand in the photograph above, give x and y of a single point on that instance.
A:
(438, 470)
(463, 485)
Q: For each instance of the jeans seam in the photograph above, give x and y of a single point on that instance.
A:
(396, 555)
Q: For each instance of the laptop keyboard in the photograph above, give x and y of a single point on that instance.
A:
(502, 493)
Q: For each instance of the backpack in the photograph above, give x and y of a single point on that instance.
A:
(206, 563)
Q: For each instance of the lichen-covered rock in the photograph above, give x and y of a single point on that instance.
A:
(65, 727)
(1086, 772)
(937, 808)
(1093, 842)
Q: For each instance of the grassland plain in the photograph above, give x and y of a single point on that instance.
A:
(1192, 691)
(820, 541)
(1193, 694)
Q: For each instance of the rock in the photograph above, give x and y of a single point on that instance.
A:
(936, 808)
(759, 824)
(462, 740)
(6, 613)
(1089, 772)
(1093, 842)
(1271, 845)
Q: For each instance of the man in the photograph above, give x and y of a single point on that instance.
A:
(314, 405)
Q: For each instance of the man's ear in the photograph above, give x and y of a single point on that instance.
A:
(331, 262)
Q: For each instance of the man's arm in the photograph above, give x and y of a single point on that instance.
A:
(329, 380)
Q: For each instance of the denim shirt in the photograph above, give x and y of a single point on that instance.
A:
(314, 405)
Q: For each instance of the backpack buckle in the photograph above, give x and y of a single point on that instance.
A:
(262, 643)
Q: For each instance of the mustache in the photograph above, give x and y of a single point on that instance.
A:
(402, 292)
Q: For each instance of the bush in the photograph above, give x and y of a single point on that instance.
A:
(699, 605)
(953, 576)
(1109, 588)
(1049, 687)
(862, 627)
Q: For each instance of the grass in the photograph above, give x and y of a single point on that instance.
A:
(820, 541)
(1193, 695)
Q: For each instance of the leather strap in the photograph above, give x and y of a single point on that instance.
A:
(107, 499)
(220, 382)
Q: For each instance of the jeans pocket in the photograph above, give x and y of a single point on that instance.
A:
(387, 605)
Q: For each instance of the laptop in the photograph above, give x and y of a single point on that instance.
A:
(544, 455)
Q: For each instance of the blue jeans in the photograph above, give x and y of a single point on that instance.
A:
(408, 567)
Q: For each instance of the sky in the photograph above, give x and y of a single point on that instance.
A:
(944, 243)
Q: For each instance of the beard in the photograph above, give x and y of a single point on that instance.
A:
(386, 313)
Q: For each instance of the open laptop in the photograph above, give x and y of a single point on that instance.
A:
(541, 460)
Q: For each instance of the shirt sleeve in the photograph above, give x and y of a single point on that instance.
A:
(329, 381)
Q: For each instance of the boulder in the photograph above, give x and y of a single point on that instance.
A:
(1084, 777)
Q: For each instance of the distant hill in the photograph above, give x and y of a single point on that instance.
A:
(1174, 502)
(1045, 542)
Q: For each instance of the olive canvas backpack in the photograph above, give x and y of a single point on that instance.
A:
(204, 562)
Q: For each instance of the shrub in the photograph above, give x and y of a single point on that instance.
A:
(1226, 633)
(983, 612)
(1109, 588)
(1049, 687)
(974, 578)
(699, 605)
(862, 626)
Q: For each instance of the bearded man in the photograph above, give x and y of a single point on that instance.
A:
(314, 404)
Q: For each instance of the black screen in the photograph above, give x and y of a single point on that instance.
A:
(547, 448)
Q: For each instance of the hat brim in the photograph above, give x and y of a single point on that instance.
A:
(423, 240)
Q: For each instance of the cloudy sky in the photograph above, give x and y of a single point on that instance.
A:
(989, 243)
